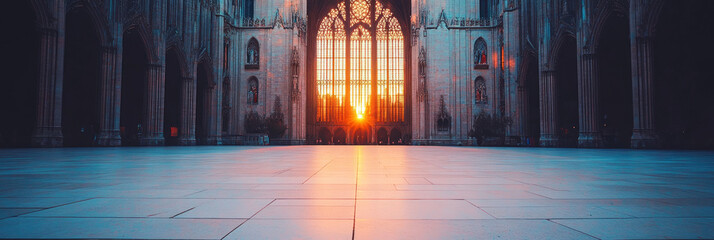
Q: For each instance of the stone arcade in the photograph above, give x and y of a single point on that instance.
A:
(184, 72)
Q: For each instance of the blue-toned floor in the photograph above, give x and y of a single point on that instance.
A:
(360, 192)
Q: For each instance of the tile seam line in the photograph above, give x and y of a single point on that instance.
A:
(318, 171)
(576, 230)
(354, 213)
(251, 217)
(479, 208)
(43, 209)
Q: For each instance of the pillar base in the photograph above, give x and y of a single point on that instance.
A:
(152, 141)
(111, 138)
(189, 141)
(48, 137)
(644, 139)
(589, 140)
(515, 141)
(548, 140)
(213, 140)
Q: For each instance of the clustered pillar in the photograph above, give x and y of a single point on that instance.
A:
(643, 132)
(110, 94)
(48, 130)
(548, 112)
(188, 112)
(589, 135)
(154, 106)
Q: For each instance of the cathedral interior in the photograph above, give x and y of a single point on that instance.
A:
(552, 73)
(356, 119)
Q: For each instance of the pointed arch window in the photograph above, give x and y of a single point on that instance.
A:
(480, 90)
(248, 9)
(360, 64)
(480, 54)
(253, 54)
(484, 9)
(253, 91)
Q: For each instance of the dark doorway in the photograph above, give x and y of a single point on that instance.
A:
(134, 65)
(19, 65)
(567, 93)
(172, 98)
(533, 102)
(82, 79)
(683, 72)
(382, 137)
(395, 137)
(361, 136)
(202, 103)
(615, 93)
(340, 137)
(325, 137)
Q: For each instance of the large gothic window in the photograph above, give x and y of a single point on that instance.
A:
(360, 64)
(480, 54)
(252, 54)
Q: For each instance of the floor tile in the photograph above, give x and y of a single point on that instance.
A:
(226, 208)
(644, 228)
(306, 212)
(116, 228)
(120, 207)
(12, 212)
(552, 212)
(418, 209)
(36, 202)
(464, 229)
(293, 229)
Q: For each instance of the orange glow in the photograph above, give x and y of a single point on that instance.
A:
(344, 90)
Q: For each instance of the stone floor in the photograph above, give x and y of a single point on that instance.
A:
(355, 192)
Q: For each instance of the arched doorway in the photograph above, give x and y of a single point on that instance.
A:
(359, 73)
(614, 75)
(361, 136)
(395, 137)
(325, 137)
(82, 79)
(682, 74)
(202, 102)
(382, 137)
(567, 93)
(532, 105)
(19, 65)
(133, 88)
(340, 137)
(172, 98)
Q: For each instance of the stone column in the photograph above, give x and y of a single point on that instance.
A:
(154, 106)
(188, 111)
(588, 108)
(213, 110)
(48, 125)
(515, 133)
(521, 118)
(153, 121)
(110, 95)
(548, 111)
(643, 132)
